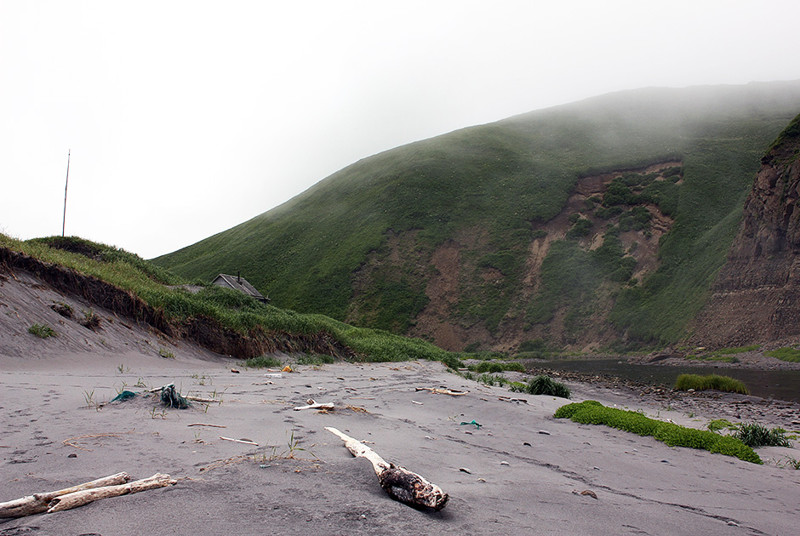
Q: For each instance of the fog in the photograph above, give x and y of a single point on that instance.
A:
(185, 118)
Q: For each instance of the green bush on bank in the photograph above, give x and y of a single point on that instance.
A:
(716, 382)
(592, 412)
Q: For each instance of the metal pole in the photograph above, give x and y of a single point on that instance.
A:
(66, 185)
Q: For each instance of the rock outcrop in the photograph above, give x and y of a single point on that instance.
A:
(756, 297)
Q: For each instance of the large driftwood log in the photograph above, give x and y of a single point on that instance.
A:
(401, 484)
(79, 498)
(39, 502)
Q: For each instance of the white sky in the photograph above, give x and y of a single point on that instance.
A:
(185, 118)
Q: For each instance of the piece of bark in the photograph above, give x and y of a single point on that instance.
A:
(39, 502)
(438, 391)
(80, 498)
(312, 404)
(401, 484)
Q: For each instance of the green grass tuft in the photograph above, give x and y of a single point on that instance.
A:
(711, 381)
(756, 435)
(42, 331)
(544, 385)
(592, 412)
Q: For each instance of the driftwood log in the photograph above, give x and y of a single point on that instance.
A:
(40, 502)
(79, 498)
(401, 484)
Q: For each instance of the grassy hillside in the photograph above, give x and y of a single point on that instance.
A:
(216, 310)
(492, 189)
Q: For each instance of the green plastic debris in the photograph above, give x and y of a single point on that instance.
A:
(473, 422)
(124, 395)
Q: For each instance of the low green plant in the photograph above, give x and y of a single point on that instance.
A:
(592, 412)
(785, 354)
(42, 331)
(263, 361)
(756, 435)
(716, 382)
(492, 379)
(495, 367)
(720, 424)
(545, 385)
(166, 354)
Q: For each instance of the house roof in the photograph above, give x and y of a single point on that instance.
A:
(238, 283)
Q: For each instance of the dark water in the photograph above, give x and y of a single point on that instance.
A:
(778, 384)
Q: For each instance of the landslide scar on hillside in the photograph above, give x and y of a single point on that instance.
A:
(590, 201)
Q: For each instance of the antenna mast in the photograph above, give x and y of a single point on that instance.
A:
(66, 185)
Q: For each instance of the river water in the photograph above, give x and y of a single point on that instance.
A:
(778, 384)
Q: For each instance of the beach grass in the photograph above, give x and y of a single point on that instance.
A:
(592, 412)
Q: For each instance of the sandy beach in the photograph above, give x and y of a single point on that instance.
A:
(526, 470)
(520, 472)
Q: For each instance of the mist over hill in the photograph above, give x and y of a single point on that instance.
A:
(601, 223)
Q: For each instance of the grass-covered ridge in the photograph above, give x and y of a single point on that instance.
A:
(491, 190)
(223, 308)
(592, 412)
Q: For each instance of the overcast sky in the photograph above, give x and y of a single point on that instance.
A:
(185, 118)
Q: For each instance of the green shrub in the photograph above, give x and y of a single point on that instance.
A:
(42, 331)
(711, 381)
(592, 412)
(756, 435)
(263, 361)
(545, 385)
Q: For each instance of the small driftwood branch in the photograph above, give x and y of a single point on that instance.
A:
(79, 498)
(312, 404)
(203, 400)
(401, 484)
(39, 502)
(437, 391)
(204, 424)
(511, 399)
(245, 441)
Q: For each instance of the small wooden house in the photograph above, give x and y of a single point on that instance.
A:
(237, 282)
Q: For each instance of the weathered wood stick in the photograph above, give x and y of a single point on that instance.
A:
(437, 391)
(204, 424)
(37, 503)
(79, 498)
(246, 442)
(203, 400)
(312, 404)
(401, 484)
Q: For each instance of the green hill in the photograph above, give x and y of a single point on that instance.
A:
(597, 223)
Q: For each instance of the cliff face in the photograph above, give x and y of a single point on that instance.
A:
(756, 297)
